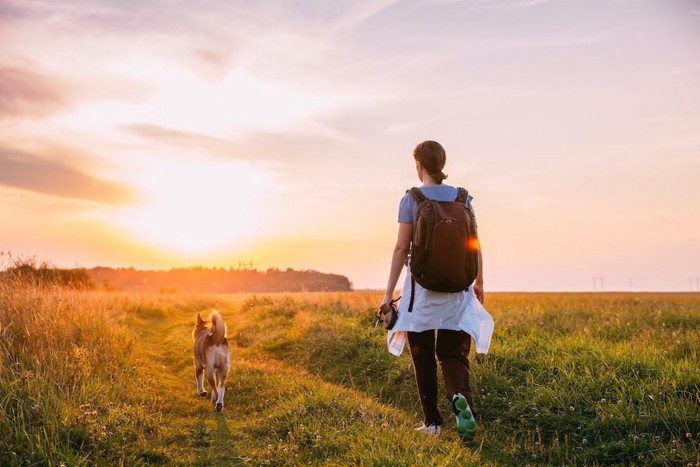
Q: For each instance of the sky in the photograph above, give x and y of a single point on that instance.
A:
(160, 134)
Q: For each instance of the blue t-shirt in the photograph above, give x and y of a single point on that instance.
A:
(408, 208)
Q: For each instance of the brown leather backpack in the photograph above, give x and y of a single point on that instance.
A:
(445, 249)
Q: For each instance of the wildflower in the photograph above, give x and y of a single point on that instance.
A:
(585, 441)
(688, 435)
(571, 408)
(602, 401)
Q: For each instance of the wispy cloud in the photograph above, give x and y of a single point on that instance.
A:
(184, 139)
(29, 91)
(20, 169)
(570, 39)
(24, 92)
(503, 5)
(354, 13)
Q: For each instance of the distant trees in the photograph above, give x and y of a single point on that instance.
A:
(218, 280)
(195, 279)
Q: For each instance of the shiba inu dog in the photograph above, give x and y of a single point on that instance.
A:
(211, 354)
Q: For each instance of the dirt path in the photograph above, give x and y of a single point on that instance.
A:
(194, 432)
(275, 412)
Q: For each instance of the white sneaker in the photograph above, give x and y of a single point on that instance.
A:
(429, 430)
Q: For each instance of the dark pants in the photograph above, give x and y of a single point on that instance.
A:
(452, 350)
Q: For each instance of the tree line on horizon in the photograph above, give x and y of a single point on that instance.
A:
(194, 279)
(220, 280)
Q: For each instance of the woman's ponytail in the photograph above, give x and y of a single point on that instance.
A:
(432, 157)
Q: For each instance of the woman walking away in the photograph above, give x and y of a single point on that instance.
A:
(441, 306)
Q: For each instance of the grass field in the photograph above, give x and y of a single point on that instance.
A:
(97, 378)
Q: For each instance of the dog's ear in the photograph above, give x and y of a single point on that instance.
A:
(200, 321)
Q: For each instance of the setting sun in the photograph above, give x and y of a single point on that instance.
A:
(196, 207)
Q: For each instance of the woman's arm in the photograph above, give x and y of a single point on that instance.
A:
(479, 282)
(398, 259)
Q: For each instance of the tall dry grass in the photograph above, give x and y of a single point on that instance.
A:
(70, 387)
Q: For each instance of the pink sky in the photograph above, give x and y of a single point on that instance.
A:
(166, 133)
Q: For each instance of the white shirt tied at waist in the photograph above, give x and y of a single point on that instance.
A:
(440, 310)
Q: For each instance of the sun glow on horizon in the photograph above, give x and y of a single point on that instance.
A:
(197, 207)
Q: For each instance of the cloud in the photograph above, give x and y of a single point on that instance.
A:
(29, 92)
(183, 139)
(28, 171)
(24, 92)
(502, 5)
(563, 41)
(257, 146)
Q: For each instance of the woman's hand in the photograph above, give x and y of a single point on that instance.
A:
(479, 291)
(387, 300)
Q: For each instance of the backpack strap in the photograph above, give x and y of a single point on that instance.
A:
(462, 195)
(417, 195)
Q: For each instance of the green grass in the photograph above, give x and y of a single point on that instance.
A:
(106, 379)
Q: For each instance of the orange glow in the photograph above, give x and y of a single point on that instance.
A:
(197, 207)
(473, 244)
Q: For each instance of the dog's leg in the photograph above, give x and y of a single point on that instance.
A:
(222, 374)
(220, 399)
(199, 374)
(212, 382)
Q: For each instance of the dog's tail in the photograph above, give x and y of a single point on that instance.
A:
(218, 328)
